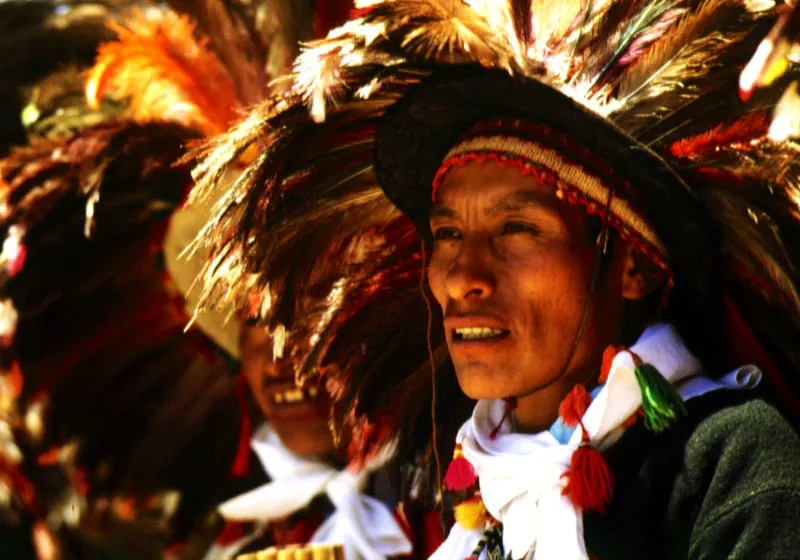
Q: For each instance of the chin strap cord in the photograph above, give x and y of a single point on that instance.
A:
(511, 404)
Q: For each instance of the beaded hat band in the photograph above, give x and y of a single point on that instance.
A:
(538, 151)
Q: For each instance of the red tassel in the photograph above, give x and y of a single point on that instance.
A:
(574, 406)
(460, 474)
(241, 465)
(590, 482)
(608, 356)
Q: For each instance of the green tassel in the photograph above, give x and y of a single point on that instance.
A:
(661, 404)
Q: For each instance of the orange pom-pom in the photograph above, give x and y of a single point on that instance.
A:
(590, 482)
(460, 474)
(471, 513)
(608, 356)
(574, 406)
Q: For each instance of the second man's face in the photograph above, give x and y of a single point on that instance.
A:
(299, 416)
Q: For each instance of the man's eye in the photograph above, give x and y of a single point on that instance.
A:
(518, 227)
(446, 234)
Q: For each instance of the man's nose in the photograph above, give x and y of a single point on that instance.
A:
(257, 348)
(472, 274)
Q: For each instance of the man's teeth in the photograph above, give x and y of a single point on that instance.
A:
(294, 395)
(478, 332)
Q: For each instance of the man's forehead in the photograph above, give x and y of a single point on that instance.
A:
(499, 196)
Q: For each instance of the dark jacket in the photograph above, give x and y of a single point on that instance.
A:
(722, 483)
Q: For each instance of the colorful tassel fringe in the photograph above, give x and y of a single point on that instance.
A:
(590, 482)
(460, 474)
(660, 403)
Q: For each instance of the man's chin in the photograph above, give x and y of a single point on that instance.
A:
(482, 381)
(309, 440)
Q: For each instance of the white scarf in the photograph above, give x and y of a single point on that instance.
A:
(520, 474)
(364, 525)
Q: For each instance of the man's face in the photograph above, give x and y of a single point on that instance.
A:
(299, 416)
(511, 269)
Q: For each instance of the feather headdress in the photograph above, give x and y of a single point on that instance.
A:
(93, 325)
(664, 71)
(198, 64)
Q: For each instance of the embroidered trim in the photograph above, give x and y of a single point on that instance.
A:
(563, 143)
(492, 542)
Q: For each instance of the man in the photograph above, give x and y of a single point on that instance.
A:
(533, 290)
(609, 239)
(311, 496)
(286, 406)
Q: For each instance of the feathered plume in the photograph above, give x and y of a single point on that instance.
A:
(446, 31)
(165, 71)
(695, 48)
(257, 41)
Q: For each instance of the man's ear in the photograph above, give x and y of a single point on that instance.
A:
(640, 275)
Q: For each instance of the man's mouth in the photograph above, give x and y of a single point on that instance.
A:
(478, 333)
(294, 395)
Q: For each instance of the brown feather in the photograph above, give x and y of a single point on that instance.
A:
(675, 50)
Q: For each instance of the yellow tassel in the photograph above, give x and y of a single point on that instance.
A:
(471, 514)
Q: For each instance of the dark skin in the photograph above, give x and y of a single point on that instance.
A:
(511, 268)
(302, 424)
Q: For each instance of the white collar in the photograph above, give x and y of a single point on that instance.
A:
(363, 524)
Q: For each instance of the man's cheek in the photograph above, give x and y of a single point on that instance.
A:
(436, 283)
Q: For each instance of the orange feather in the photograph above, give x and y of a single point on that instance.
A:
(166, 72)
